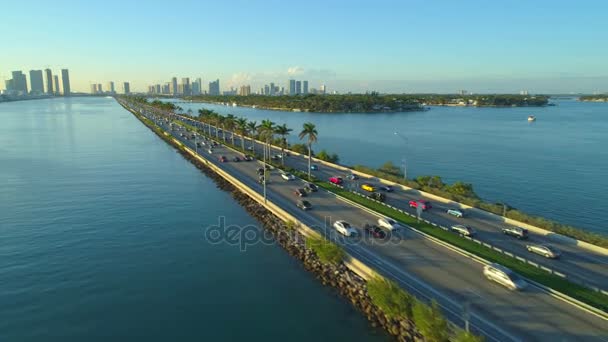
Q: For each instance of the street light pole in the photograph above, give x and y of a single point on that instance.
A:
(404, 153)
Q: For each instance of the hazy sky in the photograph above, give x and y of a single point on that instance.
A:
(397, 46)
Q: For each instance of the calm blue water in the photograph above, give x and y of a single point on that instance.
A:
(554, 167)
(101, 239)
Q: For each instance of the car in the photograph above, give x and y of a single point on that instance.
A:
(261, 179)
(314, 167)
(504, 276)
(310, 187)
(275, 157)
(463, 230)
(377, 196)
(456, 212)
(304, 205)
(517, 232)
(375, 231)
(368, 187)
(287, 176)
(210, 151)
(386, 188)
(388, 223)
(260, 171)
(424, 203)
(250, 148)
(544, 250)
(352, 176)
(198, 144)
(344, 228)
(247, 158)
(300, 192)
(223, 159)
(336, 180)
(236, 159)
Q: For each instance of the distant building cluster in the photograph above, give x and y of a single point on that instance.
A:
(110, 88)
(293, 88)
(40, 83)
(184, 88)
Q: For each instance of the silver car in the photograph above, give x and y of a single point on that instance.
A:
(544, 250)
(463, 230)
(504, 277)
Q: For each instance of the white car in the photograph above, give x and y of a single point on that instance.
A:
(287, 176)
(463, 230)
(388, 223)
(345, 228)
(544, 250)
(504, 277)
(456, 212)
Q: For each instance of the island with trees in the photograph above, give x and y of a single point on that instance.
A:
(594, 98)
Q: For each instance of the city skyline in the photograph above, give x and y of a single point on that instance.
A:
(478, 46)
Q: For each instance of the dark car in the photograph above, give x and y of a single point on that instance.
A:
(223, 159)
(198, 144)
(375, 231)
(236, 159)
(247, 158)
(260, 171)
(517, 232)
(377, 196)
(310, 187)
(386, 188)
(300, 192)
(304, 205)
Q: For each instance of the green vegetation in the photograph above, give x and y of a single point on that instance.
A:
(594, 98)
(465, 336)
(576, 291)
(300, 148)
(430, 322)
(324, 155)
(309, 131)
(373, 102)
(327, 251)
(390, 298)
(464, 193)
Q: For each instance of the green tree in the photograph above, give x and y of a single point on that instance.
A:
(252, 130)
(324, 155)
(309, 130)
(430, 322)
(241, 128)
(389, 297)
(390, 168)
(267, 134)
(300, 148)
(230, 123)
(283, 131)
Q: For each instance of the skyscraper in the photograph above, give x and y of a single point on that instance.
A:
(126, 88)
(292, 87)
(245, 90)
(187, 91)
(157, 88)
(214, 88)
(56, 84)
(99, 89)
(174, 86)
(49, 81)
(36, 82)
(323, 89)
(305, 87)
(199, 85)
(94, 88)
(65, 79)
(298, 87)
(19, 82)
(110, 87)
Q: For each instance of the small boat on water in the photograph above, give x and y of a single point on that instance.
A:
(531, 118)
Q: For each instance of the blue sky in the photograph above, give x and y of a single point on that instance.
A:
(396, 46)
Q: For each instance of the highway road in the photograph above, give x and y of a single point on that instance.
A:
(427, 269)
(579, 264)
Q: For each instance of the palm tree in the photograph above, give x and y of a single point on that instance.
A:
(230, 123)
(241, 126)
(267, 131)
(283, 131)
(309, 130)
(252, 128)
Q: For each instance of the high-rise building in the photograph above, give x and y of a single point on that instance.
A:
(94, 88)
(305, 87)
(174, 86)
(267, 90)
(65, 80)
(36, 82)
(323, 89)
(19, 82)
(186, 90)
(99, 89)
(292, 87)
(298, 87)
(198, 84)
(272, 89)
(245, 90)
(49, 81)
(166, 88)
(214, 88)
(56, 84)
(110, 87)
(126, 88)
(157, 89)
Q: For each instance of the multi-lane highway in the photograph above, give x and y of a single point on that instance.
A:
(424, 268)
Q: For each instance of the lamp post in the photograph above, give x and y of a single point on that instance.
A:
(404, 153)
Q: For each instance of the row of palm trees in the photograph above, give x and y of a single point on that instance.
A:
(266, 131)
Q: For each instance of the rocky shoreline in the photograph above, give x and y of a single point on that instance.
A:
(348, 284)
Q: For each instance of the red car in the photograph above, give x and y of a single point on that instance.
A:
(223, 159)
(425, 204)
(336, 180)
(375, 231)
